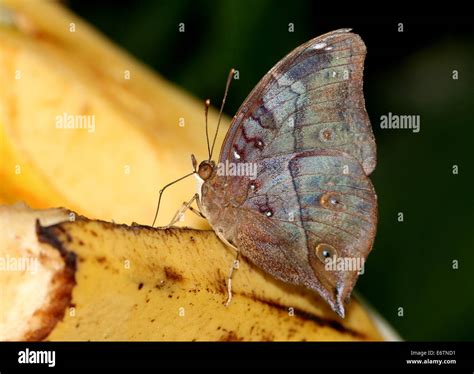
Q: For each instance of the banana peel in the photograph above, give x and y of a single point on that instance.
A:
(102, 281)
(55, 66)
(35, 283)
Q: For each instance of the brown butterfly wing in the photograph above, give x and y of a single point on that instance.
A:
(312, 99)
(330, 202)
(306, 128)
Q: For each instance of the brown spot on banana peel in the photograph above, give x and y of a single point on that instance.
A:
(64, 232)
(230, 336)
(307, 316)
(48, 235)
(220, 283)
(62, 296)
(172, 274)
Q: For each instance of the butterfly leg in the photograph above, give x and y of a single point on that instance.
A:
(197, 212)
(182, 210)
(235, 266)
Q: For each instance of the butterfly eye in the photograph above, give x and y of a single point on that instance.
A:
(205, 170)
(325, 251)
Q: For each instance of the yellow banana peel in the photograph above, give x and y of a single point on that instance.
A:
(97, 280)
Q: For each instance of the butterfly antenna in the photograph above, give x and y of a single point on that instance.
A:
(206, 111)
(163, 190)
(229, 79)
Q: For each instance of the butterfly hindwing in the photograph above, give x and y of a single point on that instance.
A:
(304, 204)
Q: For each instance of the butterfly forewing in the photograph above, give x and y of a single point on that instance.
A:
(312, 99)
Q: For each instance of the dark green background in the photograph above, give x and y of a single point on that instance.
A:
(405, 73)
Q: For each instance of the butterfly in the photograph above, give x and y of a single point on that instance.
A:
(305, 133)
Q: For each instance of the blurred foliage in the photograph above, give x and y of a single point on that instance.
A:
(405, 73)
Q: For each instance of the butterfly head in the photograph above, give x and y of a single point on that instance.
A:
(206, 169)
